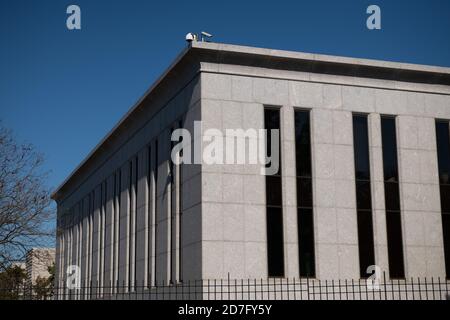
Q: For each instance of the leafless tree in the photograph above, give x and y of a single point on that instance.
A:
(26, 211)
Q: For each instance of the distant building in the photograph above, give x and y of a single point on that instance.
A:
(38, 260)
(19, 264)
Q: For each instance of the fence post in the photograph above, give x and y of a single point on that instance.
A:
(447, 296)
(440, 292)
(346, 290)
(228, 285)
(307, 286)
(320, 289)
(236, 290)
(208, 289)
(254, 287)
(432, 287)
(420, 288)
(353, 290)
(262, 289)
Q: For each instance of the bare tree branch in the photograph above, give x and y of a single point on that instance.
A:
(26, 214)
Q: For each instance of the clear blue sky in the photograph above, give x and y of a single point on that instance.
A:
(63, 90)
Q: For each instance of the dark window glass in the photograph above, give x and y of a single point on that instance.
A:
(361, 145)
(443, 153)
(443, 150)
(155, 220)
(445, 197)
(272, 121)
(392, 198)
(273, 190)
(272, 118)
(149, 217)
(302, 143)
(304, 192)
(275, 242)
(389, 141)
(303, 161)
(363, 194)
(136, 179)
(395, 245)
(446, 235)
(180, 206)
(119, 220)
(365, 241)
(275, 245)
(172, 221)
(130, 221)
(306, 242)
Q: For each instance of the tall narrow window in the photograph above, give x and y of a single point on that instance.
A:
(136, 190)
(392, 198)
(149, 217)
(102, 233)
(61, 257)
(100, 241)
(118, 227)
(115, 227)
(105, 194)
(363, 195)
(175, 211)
(91, 231)
(88, 243)
(112, 234)
(172, 217)
(180, 206)
(274, 213)
(304, 194)
(70, 232)
(443, 150)
(155, 213)
(130, 222)
(79, 232)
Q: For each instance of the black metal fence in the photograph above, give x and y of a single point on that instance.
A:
(249, 289)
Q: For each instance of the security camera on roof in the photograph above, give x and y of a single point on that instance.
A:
(191, 37)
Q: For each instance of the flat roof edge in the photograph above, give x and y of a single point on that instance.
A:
(276, 53)
(231, 49)
(54, 194)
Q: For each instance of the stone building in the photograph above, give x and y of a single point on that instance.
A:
(38, 260)
(363, 178)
